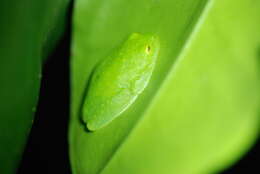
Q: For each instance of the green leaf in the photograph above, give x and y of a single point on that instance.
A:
(206, 114)
(99, 27)
(200, 111)
(25, 27)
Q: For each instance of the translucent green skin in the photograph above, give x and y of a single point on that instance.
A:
(119, 79)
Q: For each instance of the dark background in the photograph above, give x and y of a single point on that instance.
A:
(47, 148)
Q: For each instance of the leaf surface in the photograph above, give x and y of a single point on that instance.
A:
(98, 28)
(25, 27)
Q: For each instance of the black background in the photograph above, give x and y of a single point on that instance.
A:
(47, 148)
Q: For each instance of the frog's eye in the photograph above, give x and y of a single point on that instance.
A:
(148, 49)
